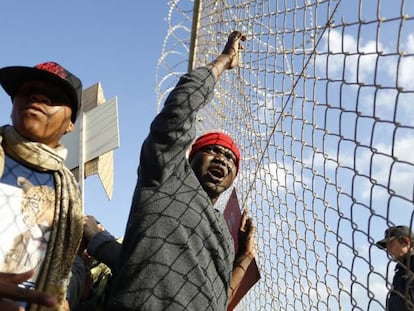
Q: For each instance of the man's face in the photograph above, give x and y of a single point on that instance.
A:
(215, 168)
(41, 113)
(398, 248)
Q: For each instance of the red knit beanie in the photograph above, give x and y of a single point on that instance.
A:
(215, 138)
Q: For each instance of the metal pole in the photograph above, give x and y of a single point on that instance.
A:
(194, 34)
(82, 157)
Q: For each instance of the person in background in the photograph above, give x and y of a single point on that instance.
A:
(92, 271)
(40, 206)
(178, 253)
(398, 241)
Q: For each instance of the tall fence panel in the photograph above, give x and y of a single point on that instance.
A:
(322, 109)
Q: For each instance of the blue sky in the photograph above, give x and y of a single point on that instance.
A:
(117, 43)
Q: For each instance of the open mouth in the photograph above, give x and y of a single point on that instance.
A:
(217, 172)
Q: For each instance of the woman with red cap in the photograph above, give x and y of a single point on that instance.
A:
(177, 252)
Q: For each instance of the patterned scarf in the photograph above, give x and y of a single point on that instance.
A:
(67, 228)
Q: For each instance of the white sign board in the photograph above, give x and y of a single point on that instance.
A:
(100, 130)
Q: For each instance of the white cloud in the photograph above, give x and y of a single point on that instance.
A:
(275, 173)
(335, 45)
(360, 60)
(367, 62)
(403, 148)
(405, 74)
(386, 99)
(410, 43)
(334, 41)
(384, 170)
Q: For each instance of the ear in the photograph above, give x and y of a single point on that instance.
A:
(69, 128)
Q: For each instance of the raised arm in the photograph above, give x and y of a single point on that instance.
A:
(173, 129)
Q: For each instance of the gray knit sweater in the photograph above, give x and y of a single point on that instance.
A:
(177, 252)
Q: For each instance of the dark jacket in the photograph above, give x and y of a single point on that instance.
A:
(401, 296)
(105, 249)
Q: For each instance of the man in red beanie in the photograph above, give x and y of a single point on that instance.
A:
(178, 253)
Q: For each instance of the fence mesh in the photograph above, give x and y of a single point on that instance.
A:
(321, 108)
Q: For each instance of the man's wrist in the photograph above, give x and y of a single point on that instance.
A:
(243, 261)
(221, 63)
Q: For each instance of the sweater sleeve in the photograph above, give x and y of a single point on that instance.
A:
(105, 248)
(173, 129)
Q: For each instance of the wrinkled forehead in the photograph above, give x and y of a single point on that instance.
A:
(220, 148)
